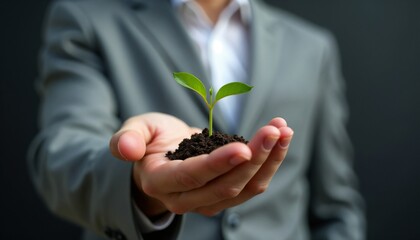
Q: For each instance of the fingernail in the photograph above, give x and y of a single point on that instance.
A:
(119, 151)
(237, 160)
(284, 143)
(269, 143)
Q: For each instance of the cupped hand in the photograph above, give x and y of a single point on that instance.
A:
(205, 184)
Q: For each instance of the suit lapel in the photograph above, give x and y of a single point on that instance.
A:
(174, 44)
(266, 42)
(167, 34)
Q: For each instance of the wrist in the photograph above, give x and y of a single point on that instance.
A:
(151, 207)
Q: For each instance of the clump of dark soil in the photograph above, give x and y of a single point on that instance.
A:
(202, 143)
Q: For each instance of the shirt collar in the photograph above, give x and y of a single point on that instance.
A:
(244, 8)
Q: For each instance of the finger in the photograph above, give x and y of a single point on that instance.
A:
(262, 143)
(195, 172)
(278, 122)
(260, 182)
(264, 175)
(127, 145)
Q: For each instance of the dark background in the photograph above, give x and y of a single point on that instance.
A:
(379, 43)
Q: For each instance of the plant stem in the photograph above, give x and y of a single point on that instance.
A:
(211, 105)
(210, 121)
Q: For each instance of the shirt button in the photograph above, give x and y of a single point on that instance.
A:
(233, 220)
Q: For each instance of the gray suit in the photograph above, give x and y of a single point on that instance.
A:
(107, 60)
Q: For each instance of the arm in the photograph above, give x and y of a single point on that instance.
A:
(80, 180)
(69, 161)
(336, 207)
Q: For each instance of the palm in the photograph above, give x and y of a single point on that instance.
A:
(167, 136)
(164, 137)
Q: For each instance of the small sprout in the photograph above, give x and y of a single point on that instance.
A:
(192, 82)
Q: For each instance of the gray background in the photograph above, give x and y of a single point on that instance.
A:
(379, 43)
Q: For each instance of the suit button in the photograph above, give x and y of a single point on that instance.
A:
(114, 234)
(109, 232)
(119, 236)
(233, 220)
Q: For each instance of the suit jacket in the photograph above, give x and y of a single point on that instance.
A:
(104, 61)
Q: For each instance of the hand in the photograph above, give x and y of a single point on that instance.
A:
(205, 184)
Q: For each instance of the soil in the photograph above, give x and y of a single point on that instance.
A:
(202, 143)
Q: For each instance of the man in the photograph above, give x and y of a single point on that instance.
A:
(110, 61)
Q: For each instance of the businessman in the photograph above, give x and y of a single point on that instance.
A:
(110, 110)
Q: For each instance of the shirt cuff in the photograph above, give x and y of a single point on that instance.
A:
(146, 225)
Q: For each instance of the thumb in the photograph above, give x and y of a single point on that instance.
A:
(127, 145)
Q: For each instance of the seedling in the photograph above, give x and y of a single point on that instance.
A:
(192, 82)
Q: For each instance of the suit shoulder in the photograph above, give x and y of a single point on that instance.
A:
(90, 7)
(299, 27)
(88, 15)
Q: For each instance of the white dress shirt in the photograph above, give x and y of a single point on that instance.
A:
(223, 47)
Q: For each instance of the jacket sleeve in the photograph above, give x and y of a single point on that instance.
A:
(69, 160)
(336, 207)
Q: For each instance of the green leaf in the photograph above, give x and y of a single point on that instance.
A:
(233, 88)
(192, 82)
